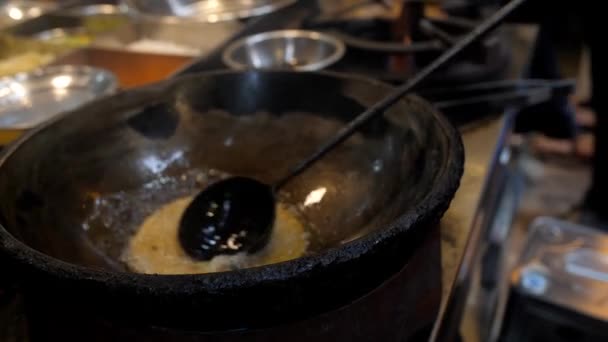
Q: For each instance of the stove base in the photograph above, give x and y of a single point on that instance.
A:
(402, 309)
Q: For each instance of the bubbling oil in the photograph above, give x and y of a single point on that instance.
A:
(155, 248)
(332, 203)
(136, 230)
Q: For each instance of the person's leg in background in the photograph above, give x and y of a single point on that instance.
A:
(593, 22)
(554, 119)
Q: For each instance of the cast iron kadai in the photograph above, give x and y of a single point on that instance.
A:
(388, 253)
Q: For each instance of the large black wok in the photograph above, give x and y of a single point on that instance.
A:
(373, 268)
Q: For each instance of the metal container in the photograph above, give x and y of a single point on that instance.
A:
(23, 55)
(13, 12)
(29, 99)
(202, 24)
(560, 285)
(286, 49)
(71, 29)
(159, 39)
(566, 264)
(204, 11)
(131, 68)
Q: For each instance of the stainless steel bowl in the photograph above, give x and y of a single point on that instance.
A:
(204, 24)
(31, 98)
(13, 12)
(208, 11)
(287, 49)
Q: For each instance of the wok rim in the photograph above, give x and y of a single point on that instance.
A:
(433, 205)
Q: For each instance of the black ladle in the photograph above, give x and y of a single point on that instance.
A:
(237, 214)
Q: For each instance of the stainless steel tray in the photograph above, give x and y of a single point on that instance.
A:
(28, 99)
(565, 264)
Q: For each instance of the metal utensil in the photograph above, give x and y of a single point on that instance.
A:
(286, 49)
(237, 214)
(204, 10)
(203, 24)
(13, 12)
(499, 94)
(28, 99)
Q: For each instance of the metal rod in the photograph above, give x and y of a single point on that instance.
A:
(456, 22)
(484, 27)
(430, 29)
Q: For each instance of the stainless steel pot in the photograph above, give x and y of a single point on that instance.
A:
(285, 49)
(204, 23)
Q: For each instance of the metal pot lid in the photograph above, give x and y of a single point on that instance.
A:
(13, 12)
(204, 10)
(31, 98)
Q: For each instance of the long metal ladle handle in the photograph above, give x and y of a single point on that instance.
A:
(486, 26)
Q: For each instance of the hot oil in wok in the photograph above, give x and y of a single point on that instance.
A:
(331, 203)
(155, 248)
(152, 244)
